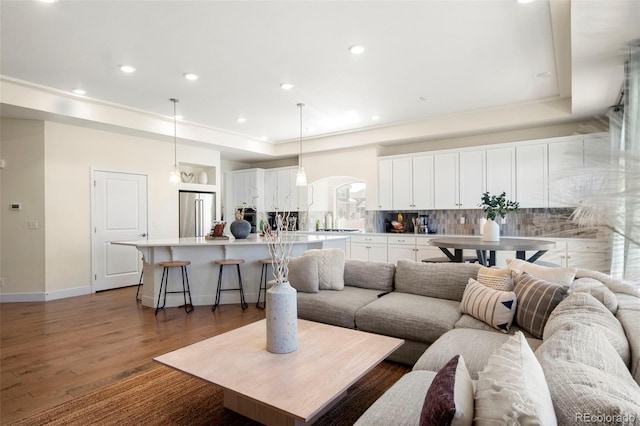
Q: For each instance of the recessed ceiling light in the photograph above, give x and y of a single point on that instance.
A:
(79, 92)
(286, 86)
(241, 119)
(127, 68)
(356, 49)
(191, 76)
(544, 74)
(375, 117)
(524, 1)
(48, 1)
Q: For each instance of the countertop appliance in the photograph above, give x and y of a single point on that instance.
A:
(197, 213)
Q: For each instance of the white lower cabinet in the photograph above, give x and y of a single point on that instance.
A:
(413, 248)
(364, 247)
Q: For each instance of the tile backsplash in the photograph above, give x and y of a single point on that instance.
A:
(549, 222)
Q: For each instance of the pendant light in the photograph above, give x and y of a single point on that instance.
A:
(174, 176)
(301, 176)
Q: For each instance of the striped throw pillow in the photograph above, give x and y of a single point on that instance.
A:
(536, 300)
(493, 307)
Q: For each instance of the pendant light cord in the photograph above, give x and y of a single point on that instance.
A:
(175, 132)
(300, 105)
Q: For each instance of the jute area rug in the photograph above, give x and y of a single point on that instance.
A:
(163, 396)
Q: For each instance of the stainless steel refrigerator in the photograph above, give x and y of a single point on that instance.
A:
(197, 213)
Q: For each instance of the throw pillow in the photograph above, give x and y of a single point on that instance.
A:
(330, 267)
(449, 400)
(496, 278)
(554, 275)
(369, 274)
(536, 300)
(512, 389)
(494, 307)
(303, 273)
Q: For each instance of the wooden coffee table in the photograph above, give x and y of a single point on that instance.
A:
(283, 389)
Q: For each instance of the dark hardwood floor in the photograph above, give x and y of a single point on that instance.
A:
(56, 351)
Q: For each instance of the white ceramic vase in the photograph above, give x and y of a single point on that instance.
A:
(203, 178)
(491, 231)
(282, 318)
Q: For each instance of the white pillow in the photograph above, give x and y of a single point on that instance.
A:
(330, 268)
(512, 389)
(496, 278)
(554, 275)
(495, 307)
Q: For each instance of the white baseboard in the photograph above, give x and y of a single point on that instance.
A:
(22, 297)
(46, 296)
(68, 292)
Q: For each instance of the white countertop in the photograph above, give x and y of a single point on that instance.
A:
(253, 239)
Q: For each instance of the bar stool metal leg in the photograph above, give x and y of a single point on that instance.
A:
(217, 302)
(263, 286)
(243, 304)
(165, 273)
(188, 307)
(139, 285)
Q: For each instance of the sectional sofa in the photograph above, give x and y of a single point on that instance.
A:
(576, 359)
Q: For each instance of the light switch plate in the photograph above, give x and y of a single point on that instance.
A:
(32, 224)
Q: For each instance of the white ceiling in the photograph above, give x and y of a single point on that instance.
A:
(431, 69)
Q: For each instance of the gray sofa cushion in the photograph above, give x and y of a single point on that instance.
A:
(439, 280)
(467, 321)
(367, 274)
(585, 309)
(401, 404)
(408, 316)
(586, 377)
(335, 307)
(475, 346)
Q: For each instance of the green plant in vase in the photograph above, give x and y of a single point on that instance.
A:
(493, 206)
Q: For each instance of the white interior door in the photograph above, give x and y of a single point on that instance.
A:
(119, 214)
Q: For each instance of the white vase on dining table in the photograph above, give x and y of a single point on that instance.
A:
(491, 231)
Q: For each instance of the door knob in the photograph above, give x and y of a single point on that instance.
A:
(143, 234)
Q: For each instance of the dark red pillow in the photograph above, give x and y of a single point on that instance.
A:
(439, 404)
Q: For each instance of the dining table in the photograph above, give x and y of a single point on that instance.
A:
(486, 250)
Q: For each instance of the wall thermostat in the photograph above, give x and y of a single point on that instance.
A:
(16, 206)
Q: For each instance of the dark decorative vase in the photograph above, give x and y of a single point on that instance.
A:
(240, 229)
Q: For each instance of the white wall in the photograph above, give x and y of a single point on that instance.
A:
(22, 261)
(65, 161)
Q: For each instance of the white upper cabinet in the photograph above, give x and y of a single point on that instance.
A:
(281, 192)
(472, 178)
(459, 179)
(422, 170)
(402, 184)
(412, 183)
(247, 189)
(566, 166)
(385, 184)
(531, 176)
(446, 181)
(501, 171)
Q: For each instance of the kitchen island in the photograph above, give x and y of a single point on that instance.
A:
(203, 273)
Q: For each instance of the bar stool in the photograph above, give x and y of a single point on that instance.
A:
(223, 262)
(263, 281)
(140, 282)
(164, 282)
